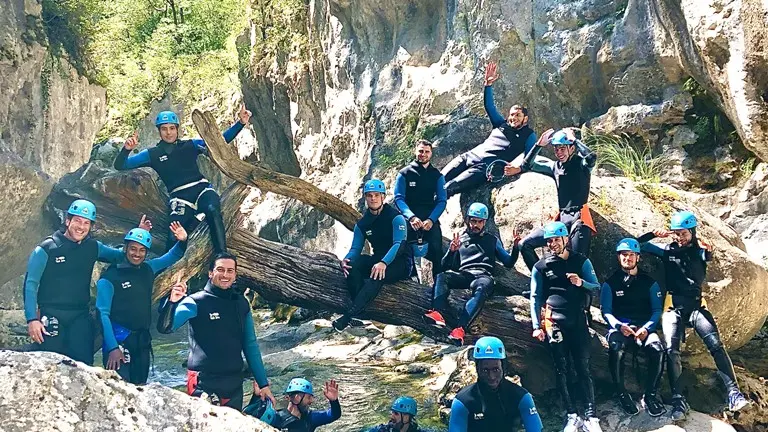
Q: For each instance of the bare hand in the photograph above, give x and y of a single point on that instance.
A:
(539, 334)
(574, 278)
(544, 138)
(416, 223)
(661, 233)
(145, 223)
(115, 358)
(345, 267)
(627, 330)
(455, 243)
(511, 170)
(265, 393)
(641, 334)
(491, 73)
(516, 237)
(132, 142)
(244, 115)
(570, 133)
(178, 291)
(36, 330)
(178, 231)
(331, 390)
(379, 271)
(427, 225)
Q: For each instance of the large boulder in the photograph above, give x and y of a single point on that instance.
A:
(70, 396)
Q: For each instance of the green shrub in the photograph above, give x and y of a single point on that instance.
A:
(621, 153)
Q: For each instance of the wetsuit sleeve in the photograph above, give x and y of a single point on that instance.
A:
(358, 241)
(706, 255)
(490, 108)
(529, 416)
(539, 164)
(459, 416)
(400, 197)
(320, 418)
(170, 258)
(606, 305)
(233, 131)
(503, 255)
(105, 291)
(589, 157)
(201, 146)
(656, 308)
(125, 162)
(530, 143)
(109, 254)
(647, 246)
(588, 276)
(35, 268)
(253, 353)
(399, 234)
(537, 286)
(441, 198)
(448, 260)
(174, 315)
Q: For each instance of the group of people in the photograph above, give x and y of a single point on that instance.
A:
(221, 329)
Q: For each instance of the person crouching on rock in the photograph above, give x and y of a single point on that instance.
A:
(493, 403)
(220, 332)
(685, 266)
(297, 417)
(558, 283)
(124, 302)
(469, 264)
(57, 286)
(631, 304)
(392, 260)
(402, 417)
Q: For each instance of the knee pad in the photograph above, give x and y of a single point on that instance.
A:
(655, 347)
(616, 346)
(712, 342)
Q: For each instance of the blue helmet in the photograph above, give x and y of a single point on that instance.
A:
(374, 185)
(140, 236)
(261, 409)
(555, 229)
(559, 138)
(404, 405)
(489, 348)
(683, 220)
(300, 385)
(83, 208)
(478, 210)
(166, 117)
(628, 244)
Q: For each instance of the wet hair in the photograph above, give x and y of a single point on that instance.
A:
(424, 143)
(221, 256)
(521, 108)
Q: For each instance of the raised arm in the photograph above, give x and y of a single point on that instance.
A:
(175, 314)
(169, 258)
(490, 108)
(109, 254)
(125, 162)
(647, 246)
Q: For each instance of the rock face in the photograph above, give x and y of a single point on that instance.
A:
(72, 397)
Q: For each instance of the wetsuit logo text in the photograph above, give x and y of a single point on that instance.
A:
(60, 259)
(620, 293)
(479, 416)
(214, 316)
(411, 184)
(163, 158)
(126, 284)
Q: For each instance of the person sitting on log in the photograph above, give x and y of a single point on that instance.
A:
(631, 304)
(469, 264)
(392, 260)
(175, 161)
(297, 417)
(126, 311)
(685, 266)
(420, 197)
(510, 138)
(402, 417)
(57, 286)
(558, 283)
(220, 332)
(493, 403)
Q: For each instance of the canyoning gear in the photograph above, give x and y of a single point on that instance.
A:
(495, 170)
(685, 267)
(478, 210)
(261, 409)
(219, 390)
(457, 336)
(382, 231)
(66, 281)
(481, 284)
(628, 404)
(565, 300)
(489, 347)
(51, 325)
(580, 228)
(652, 405)
(166, 117)
(573, 423)
(628, 244)
(560, 138)
(435, 318)
(555, 229)
(299, 385)
(679, 408)
(74, 334)
(83, 208)
(633, 300)
(592, 424)
(309, 421)
(736, 401)
(405, 405)
(477, 408)
(683, 220)
(374, 185)
(140, 236)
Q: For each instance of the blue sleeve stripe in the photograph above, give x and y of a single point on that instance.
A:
(253, 353)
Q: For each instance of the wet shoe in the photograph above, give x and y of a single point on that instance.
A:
(457, 336)
(653, 406)
(736, 401)
(679, 408)
(341, 323)
(354, 322)
(434, 318)
(592, 424)
(573, 423)
(628, 404)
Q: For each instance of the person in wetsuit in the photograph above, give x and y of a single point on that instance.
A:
(175, 161)
(57, 285)
(558, 283)
(631, 304)
(392, 260)
(402, 417)
(297, 417)
(510, 138)
(493, 403)
(685, 267)
(124, 302)
(420, 197)
(469, 264)
(220, 332)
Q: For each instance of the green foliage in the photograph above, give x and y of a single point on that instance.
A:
(397, 149)
(660, 196)
(71, 27)
(281, 30)
(620, 152)
(603, 204)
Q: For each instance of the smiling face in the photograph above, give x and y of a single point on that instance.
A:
(628, 260)
(557, 245)
(398, 420)
(169, 133)
(77, 228)
(517, 117)
(490, 372)
(224, 273)
(564, 152)
(682, 236)
(423, 153)
(374, 200)
(135, 253)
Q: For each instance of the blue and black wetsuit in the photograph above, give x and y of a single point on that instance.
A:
(467, 171)
(124, 302)
(58, 283)
(477, 408)
(190, 192)
(685, 269)
(572, 180)
(565, 322)
(387, 427)
(420, 192)
(220, 332)
(633, 300)
(285, 421)
(471, 267)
